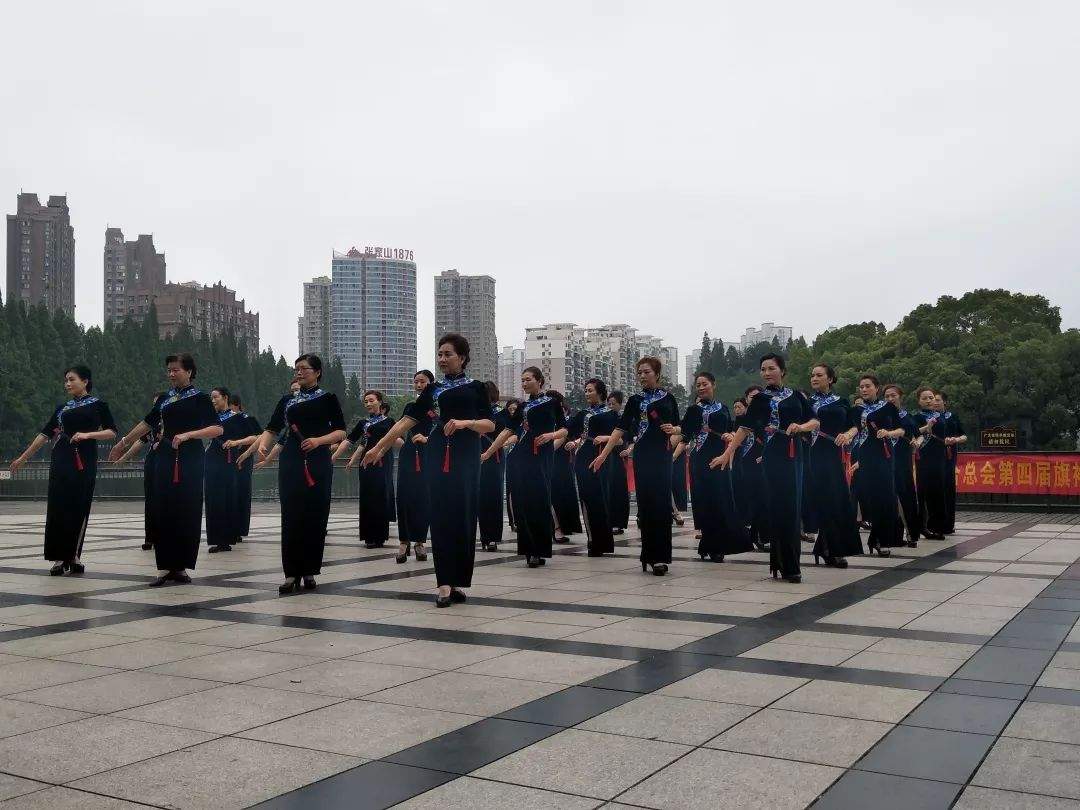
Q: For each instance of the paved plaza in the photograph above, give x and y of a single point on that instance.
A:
(944, 675)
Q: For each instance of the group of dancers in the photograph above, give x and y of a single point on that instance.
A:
(780, 467)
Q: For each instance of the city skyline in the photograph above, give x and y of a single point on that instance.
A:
(594, 186)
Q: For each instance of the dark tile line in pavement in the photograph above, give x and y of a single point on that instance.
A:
(940, 745)
(576, 704)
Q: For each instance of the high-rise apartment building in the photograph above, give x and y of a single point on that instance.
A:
(130, 267)
(752, 337)
(692, 361)
(206, 311)
(314, 324)
(511, 365)
(568, 354)
(41, 253)
(466, 305)
(373, 317)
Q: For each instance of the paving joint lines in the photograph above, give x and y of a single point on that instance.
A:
(388, 781)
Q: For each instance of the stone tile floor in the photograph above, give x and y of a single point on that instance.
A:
(946, 675)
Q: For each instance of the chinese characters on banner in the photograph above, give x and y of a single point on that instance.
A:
(1019, 473)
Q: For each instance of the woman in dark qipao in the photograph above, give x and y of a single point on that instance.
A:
(879, 427)
(954, 437)
(74, 428)
(374, 516)
(618, 484)
(930, 465)
(222, 477)
(564, 497)
(462, 412)
(587, 432)
(748, 478)
(538, 423)
(777, 415)
(651, 417)
(492, 475)
(185, 416)
(309, 422)
(248, 431)
(707, 428)
(412, 495)
(827, 486)
(903, 466)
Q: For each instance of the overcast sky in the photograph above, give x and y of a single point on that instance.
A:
(676, 166)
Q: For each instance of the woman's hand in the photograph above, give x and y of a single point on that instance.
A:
(600, 441)
(307, 445)
(18, 463)
(419, 438)
(263, 452)
(624, 453)
(485, 455)
(229, 444)
(669, 429)
(178, 440)
(882, 433)
(597, 463)
(79, 437)
(373, 456)
(793, 429)
(350, 463)
(543, 439)
(452, 426)
(723, 461)
(118, 450)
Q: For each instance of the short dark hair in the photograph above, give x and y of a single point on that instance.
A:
(872, 378)
(708, 375)
(186, 361)
(940, 393)
(385, 408)
(460, 344)
(313, 360)
(599, 385)
(746, 393)
(651, 362)
(235, 401)
(921, 388)
(379, 395)
(223, 391)
(899, 390)
(492, 391)
(830, 375)
(426, 373)
(537, 374)
(776, 358)
(83, 373)
(618, 396)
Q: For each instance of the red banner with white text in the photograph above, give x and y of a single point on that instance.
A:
(1019, 473)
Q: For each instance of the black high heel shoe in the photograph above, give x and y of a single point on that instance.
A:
(310, 584)
(442, 601)
(76, 567)
(164, 579)
(760, 546)
(457, 596)
(532, 562)
(658, 569)
(58, 569)
(400, 558)
(912, 544)
(292, 586)
(881, 552)
(716, 558)
(794, 579)
(420, 553)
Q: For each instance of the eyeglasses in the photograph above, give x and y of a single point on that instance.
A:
(302, 369)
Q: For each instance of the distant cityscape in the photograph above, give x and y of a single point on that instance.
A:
(364, 313)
